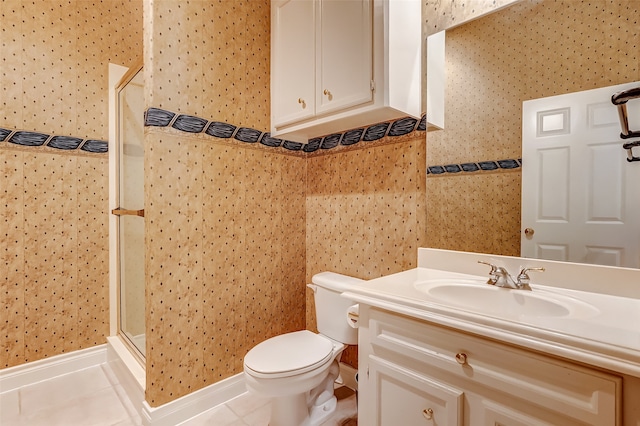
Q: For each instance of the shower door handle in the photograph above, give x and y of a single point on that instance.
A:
(125, 212)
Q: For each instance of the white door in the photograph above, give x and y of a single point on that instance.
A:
(580, 196)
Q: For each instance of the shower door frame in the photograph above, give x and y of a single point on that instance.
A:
(131, 73)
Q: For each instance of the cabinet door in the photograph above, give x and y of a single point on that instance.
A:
(510, 412)
(344, 54)
(293, 61)
(404, 397)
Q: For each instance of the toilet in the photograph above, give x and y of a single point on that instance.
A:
(297, 370)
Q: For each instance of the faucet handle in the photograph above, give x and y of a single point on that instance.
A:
(492, 273)
(523, 276)
(493, 267)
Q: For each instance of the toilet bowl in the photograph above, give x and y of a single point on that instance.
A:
(297, 370)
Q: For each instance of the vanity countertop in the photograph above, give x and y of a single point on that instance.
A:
(605, 334)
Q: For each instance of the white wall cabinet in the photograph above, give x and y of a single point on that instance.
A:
(337, 65)
(416, 373)
(293, 39)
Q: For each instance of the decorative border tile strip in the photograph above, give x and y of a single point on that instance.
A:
(484, 166)
(156, 117)
(66, 143)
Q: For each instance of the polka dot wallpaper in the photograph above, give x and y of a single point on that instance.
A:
(55, 57)
(54, 170)
(55, 289)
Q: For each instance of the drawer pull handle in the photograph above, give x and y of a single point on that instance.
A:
(428, 413)
(461, 358)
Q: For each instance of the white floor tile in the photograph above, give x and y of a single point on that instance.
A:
(246, 403)
(62, 390)
(259, 417)
(219, 416)
(100, 408)
(130, 422)
(110, 374)
(9, 405)
(126, 402)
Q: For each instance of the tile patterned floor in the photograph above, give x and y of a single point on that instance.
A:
(87, 397)
(93, 397)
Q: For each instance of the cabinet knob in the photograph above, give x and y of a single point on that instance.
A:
(328, 94)
(302, 102)
(461, 358)
(428, 413)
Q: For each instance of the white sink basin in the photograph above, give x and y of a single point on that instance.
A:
(479, 297)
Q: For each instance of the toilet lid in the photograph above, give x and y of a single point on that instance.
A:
(292, 352)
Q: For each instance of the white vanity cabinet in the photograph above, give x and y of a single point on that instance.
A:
(336, 65)
(413, 372)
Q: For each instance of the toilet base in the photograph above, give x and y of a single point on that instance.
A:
(320, 413)
(293, 411)
(309, 408)
(289, 410)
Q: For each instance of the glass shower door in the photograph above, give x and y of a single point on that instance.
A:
(130, 153)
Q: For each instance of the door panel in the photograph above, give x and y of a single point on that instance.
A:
(579, 194)
(130, 153)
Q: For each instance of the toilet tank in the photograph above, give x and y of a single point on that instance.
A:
(331, 307)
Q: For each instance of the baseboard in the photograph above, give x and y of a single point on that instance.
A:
(37, 371)
(348, 374)
(188, 406)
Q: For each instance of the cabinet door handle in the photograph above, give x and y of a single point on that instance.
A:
(328, 94)
(428, 413)
(302, 102)
(461, 358)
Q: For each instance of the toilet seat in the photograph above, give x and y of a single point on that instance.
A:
(289, 354)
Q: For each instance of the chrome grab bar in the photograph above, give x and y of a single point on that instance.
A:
(620, 99)
(628, 146)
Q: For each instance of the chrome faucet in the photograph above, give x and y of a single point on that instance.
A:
(500, 277)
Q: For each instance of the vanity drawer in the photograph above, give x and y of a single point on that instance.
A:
(583, 394)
